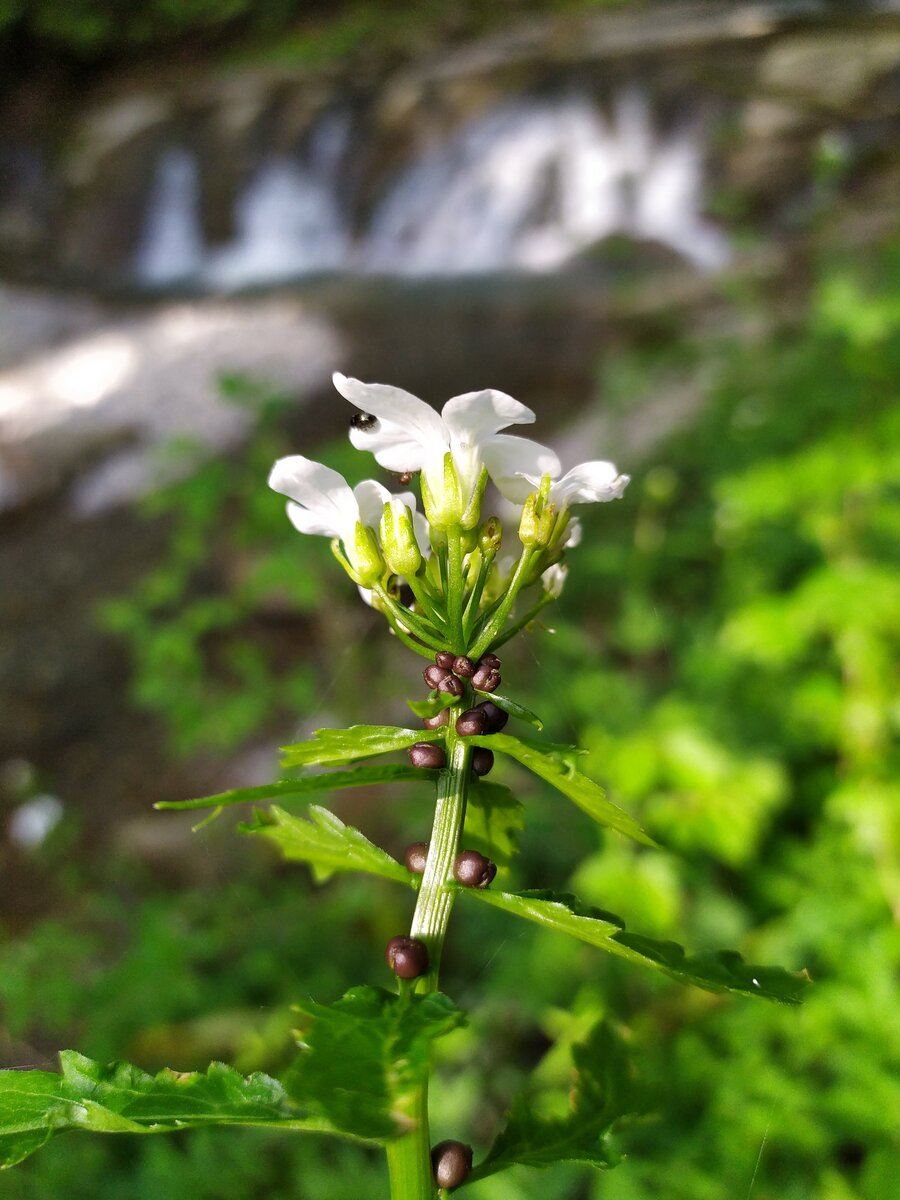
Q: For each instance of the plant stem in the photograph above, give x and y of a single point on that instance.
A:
(455, 590)
(435, 900)
(492, 628)
(409, 1157)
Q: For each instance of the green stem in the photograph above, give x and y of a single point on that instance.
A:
(495, 625)
(455, 590)
(435, 899)
(512, 630)
(421, 629)
(420, 592)
(409, 1157)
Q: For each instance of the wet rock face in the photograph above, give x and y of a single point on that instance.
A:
(618, 124)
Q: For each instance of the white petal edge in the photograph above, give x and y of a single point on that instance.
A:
(589, 483)
(318, 490)
(514, 462)
(474, 416)
(411, 415)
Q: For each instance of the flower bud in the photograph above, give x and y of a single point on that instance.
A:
(494, 716)
(472, 514)
(445, 659)
(365, 557)
(482, 760)
(439, 719)
(451, 1163)
(463, 666)
(442, 498)
(489, 660)
(538, 517)
(471, 723)
(486, 679)
(407, 957)
(490, 537)
(472, 869)
(415, 857)
(427, 754)
(398, 539)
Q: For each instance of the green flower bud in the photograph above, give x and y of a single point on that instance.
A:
(398, 539)
(444, 507)
(538, 519)
(472, 514)
(490, 536)
(365, 557)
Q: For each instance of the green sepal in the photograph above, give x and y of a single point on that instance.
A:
(326, 781)
(434, 704)
(715, 970)
(556, 764)
(513, 708)
(359, 741)
(325, 843)
(364, 1057)
(120, 1098)
(602, 1093)
(494, 817)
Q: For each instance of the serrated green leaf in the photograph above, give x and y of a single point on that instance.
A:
(324, 842)
(715, 971)
(494, 817)
(434, 704)
(601, 1094)
(513, 708)
(119, 1098)
(327, 781)
(363, 1058)
(556, 764)
(359, 741)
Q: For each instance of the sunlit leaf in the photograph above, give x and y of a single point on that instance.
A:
(556, 764)
(513, 708)
(363, 1058)
(119, 1098)
(358, 741)
(327, 781)
(324, 842)
(600, 1095)
(716, 971)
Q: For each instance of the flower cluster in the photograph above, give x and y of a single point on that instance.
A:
(448, 557)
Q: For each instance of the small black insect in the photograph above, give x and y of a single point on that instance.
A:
(363, 420)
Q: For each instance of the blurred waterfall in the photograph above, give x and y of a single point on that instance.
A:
(528, 187)
(172, 249)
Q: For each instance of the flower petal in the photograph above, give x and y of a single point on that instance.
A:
(409, 432)
(371, 496)
(588, 483)
(326, 503)
(514, 462)
(474, 416)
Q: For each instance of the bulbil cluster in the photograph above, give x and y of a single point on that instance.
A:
(450, 674)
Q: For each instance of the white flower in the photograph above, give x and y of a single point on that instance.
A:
(587, 483)
(408, 435)
(322, 502)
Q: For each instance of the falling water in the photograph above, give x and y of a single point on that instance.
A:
(531, 185)
(171, 249)
(528, 187)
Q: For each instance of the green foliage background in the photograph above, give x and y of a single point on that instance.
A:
(726, 648)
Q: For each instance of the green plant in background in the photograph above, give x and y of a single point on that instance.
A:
(450, 596)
